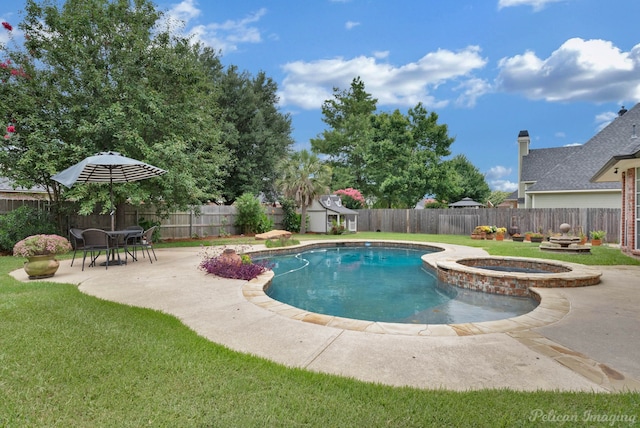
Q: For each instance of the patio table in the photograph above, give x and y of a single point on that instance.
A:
(118, 237)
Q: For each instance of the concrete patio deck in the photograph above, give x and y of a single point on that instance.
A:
(580, 339)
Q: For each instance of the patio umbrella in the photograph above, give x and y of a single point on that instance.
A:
(107, 167)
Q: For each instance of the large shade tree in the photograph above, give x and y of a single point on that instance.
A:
(465, 181)
(349, 115)
(102, 75)
(394, 159)
(256, 135)
(304, 177)
(403, 159)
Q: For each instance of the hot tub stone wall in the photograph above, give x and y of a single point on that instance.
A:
(514, 283)
(515, 263)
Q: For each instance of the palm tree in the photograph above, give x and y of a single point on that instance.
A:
(304, 178)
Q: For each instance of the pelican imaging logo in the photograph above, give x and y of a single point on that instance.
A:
(611, 419)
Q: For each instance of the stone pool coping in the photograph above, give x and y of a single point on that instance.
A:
(553, 306)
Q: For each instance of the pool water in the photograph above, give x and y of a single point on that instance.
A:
(382, 284)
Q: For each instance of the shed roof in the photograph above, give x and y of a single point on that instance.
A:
(334, 203)
(466, 202)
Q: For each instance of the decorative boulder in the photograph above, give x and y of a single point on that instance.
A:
(273, 234)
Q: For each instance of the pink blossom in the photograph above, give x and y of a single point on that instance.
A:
(11, 129)
(353, 194)
(41, 245)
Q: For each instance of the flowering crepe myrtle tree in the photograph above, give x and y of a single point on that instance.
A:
(351, 198)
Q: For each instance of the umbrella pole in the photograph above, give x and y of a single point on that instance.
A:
(113, 209)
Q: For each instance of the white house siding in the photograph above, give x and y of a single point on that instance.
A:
(608, 199)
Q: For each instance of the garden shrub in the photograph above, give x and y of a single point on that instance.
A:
(147, 224)
(251, 217)
(291, 220)
(337, 229)
(23, 222)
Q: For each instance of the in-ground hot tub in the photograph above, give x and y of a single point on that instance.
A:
(514, 276)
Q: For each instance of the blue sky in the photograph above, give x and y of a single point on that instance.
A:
(560, 69)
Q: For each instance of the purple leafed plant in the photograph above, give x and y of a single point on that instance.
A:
(247, 271)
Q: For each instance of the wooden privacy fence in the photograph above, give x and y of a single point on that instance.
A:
(462, 221)
(216, 220)
(212, 220)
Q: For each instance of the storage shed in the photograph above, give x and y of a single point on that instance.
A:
(326, 211)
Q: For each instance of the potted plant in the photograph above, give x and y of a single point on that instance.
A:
(40, 252)
(500, 233)
(583, 238)
(516, 237)
(597, 236)
(478, 233)
(536, 237)
(527, 236)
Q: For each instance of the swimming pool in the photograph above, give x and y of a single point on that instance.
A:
(382, 284)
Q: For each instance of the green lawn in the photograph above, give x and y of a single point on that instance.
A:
(67, 359)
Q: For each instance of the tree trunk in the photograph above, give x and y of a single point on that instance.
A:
(303, 220)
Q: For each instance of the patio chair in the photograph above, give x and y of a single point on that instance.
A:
(75, 237)
(131, 239)
(146, 243)
(97, 240)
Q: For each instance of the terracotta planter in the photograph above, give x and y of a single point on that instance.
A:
(500, 237)
(596, 242)
(527, 237)
(478, 236)
(39, 267)
(229, 256)
(490, 236)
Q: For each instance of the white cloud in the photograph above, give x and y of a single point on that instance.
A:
(498, 171)
(560, 134)
(496, 181)
(472, 89)
(226, 36)
(503, 185)
(535, 4)
(579, 70)
(603, 119)
(4, 38)
(309, 84)
(185, 11)
(381, 54)
(351, 24)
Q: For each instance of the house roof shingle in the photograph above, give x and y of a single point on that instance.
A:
(574, 172)
(539, 162)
